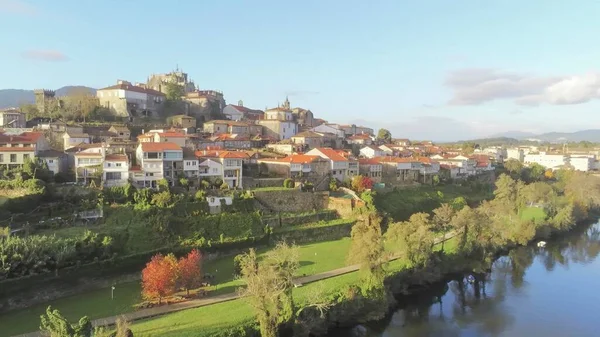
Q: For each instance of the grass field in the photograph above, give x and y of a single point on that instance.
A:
(533, 213)
(314, 258)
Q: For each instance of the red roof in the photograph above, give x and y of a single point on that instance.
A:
(222, 154)
(17, 149)
(153, 147)
(331, 154)
(297, 159)
(29, 137)
(360, 136)
(135, 168)
(116, 157)
(448, 166)
(134, 88)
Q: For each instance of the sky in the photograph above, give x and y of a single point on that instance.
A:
(435, 69)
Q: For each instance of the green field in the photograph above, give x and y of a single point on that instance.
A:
(533, 213)
(314, 258)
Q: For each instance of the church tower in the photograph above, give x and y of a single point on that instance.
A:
(286, 104)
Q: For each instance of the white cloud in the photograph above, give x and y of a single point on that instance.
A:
(45, 55)
(17, 7)
(476, 86)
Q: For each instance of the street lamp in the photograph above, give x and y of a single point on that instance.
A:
(112, 293)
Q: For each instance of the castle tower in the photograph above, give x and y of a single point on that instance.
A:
(42, 98)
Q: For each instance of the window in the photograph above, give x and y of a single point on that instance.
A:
(149, 174)
(13, 158)
(215, 170)
(1, 158)
(107, 164)
(118, 164)
(50, 161)
(151, 155)
(113, 175)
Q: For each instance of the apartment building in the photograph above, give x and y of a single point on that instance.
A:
(89, 164)
(371, 168)
(231, 162)
(582, 163)
(15, 149)
(517, 154)
(158, 161)
(115, 170)
(551, 161)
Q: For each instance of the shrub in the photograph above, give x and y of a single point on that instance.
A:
(288, 183)
(200, 195)
(224, 186)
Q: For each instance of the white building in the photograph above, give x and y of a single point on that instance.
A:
(158, 161)
(340, 165)
(115, 170)
(330, 128)
(371, 151)
(517, 154)
(582, 163)
(551, 161)
(231, 165)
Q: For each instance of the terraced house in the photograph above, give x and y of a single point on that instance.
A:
(157, 161)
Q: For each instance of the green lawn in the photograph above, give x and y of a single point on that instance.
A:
(533, 213)
(314, 258)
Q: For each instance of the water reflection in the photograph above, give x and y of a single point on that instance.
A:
(524, 294)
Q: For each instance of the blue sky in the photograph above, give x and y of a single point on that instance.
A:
(425, 69)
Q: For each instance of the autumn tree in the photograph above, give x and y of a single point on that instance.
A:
(413, 238)
(54, 324)
(361, 183)
(367, 250)
(269, 284)
(190, 270)
(384, 135)
(159, 277)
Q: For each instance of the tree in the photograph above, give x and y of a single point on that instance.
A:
(184, 182)
(513, 166)
(506, 191)
(462, 222)
(162, 199)
(384, 135)
(458, 203)
(442, 216)
(163, 184)
(361, 183)
(367, 250)
(224, 186)
(414, 237)
(54, 324)
(536, 172)
(200, 195)
(190, 270)
(174, 91)
(269, 285)
(159, 277)
(30, 111)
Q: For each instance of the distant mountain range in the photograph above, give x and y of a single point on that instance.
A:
(15, 97)
(592, 135)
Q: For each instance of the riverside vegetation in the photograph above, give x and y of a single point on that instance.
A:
(509, 219)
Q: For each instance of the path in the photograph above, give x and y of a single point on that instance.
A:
(166, 309)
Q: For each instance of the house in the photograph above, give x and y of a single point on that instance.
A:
(12, 118)
(15, 149)
(388, 150)
(232, 163)
(351, 130)
(285, 147)
(240, 112)
(214, 203)
(125, 99)
(582, 162)
(467, 165)
(339, 164)
(278, 129)
(482, 163)
(158, 161)
(182, 121)
(371, 151)
(72, 139)
(309, 139)
(88, 164)
(297, 166)
(115, 170)
(210, 169)
(517, 154)
(371, 168)
(329, 128)
(233, 141)
(216, 127)
(399, 170)
(191, 169)
(56, 161)
(450, 171)
(120, 131)
(360, 139)
(401, 141)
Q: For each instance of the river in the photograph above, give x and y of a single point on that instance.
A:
(551, 292)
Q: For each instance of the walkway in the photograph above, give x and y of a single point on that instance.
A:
(166, 309)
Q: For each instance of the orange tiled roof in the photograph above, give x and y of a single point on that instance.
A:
(17, 149)
(369, 161)
(116, 157)
(296, 159)
(222, 154)
(331, 154)
(152, 147)
(172, 134)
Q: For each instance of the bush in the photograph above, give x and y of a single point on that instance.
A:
(288, 183)
(200, 195)
(224, 186)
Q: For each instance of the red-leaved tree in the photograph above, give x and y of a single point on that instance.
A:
(190, 270)
(361, 183)
(159, 277)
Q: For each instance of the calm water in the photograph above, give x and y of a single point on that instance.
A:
(552, 291)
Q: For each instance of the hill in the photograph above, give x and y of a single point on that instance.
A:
(591, 135)
(513, 134)
(16, 97)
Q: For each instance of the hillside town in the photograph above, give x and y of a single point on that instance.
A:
(206, 139)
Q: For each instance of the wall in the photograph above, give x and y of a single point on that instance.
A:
(344, 207)
(251, 182)
(315, 234)
(291, 200)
